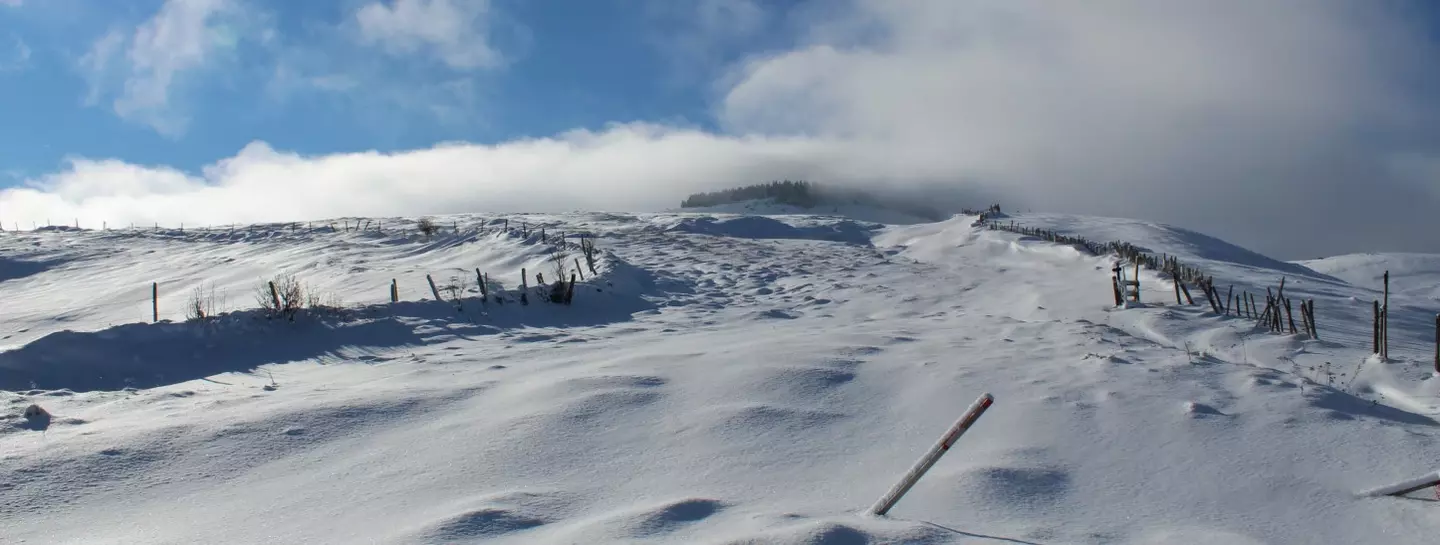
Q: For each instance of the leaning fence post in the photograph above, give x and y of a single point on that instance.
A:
(433, 290)
(480, 279)
(154, 301)
(1174, 276)
(275, 296)
(928, 460)
(577, 269)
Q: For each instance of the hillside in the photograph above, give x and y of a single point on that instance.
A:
(801, 197)
(718, 379)
(1414, 275)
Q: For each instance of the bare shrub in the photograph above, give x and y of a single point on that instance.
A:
(282, 296)
(587, 246)
(427, 227)
(558, 292)
(322, 302)
(558, 258)
(456, 288)
(202, 303)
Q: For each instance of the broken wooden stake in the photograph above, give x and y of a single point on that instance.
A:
(933, 455)
(433, 290)
(1405, 487)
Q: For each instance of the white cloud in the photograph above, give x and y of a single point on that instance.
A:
(619, 168)
(1261, 121)
(184, 36)
(1295, 126)
(456, 31)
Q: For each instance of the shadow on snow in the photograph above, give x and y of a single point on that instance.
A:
(144, 355)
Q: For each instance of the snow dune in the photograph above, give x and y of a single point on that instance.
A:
(725, 379)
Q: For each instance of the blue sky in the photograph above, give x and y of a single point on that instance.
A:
(1259, 122)
(306, 76)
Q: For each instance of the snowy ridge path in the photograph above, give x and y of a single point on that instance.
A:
(782, 373)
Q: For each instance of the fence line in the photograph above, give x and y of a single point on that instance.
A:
(1269, 316)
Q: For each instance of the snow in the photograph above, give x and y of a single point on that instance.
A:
(724, 379)
(1414, 275)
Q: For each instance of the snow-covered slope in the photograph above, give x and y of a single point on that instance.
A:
(1414, 275)
(723, 380)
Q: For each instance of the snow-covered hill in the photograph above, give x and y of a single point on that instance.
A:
(724, 379)
(1415, 275)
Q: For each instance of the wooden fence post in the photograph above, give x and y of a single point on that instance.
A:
(394, 291)
(1314, 330)
(154, 301)
(1175, 277)
(577, 269)
(480, 279)
(433, 290)
(1437, 343)
(1375, 328)
(1385, 321)
(524, 288)
(570, 290)
(1115, 285)
(1290, 315)
(275, 296)
(933, 455)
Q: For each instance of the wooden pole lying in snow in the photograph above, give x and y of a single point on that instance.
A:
(928, 460)
(1405, 487)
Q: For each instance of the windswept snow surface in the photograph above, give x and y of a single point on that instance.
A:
(754, 382)
(1411, 275)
